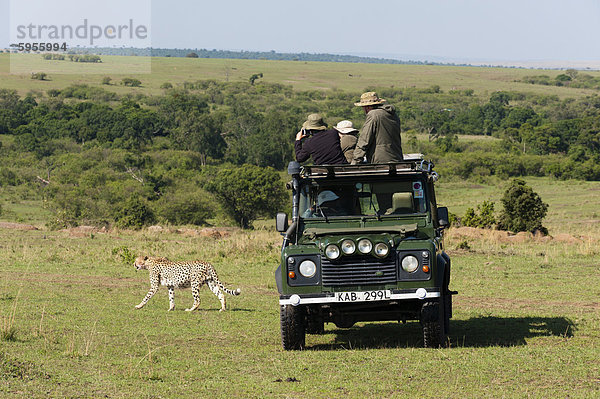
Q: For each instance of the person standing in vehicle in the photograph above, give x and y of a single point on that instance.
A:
(318, 142)
(379, 139)
(347, 138)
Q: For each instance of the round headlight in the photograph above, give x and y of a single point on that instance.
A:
(307, 268)
(365, 246)
(410, 263)
(381, 250)
(332, 251)
(348, 247)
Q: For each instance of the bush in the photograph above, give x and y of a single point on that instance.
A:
(8, 178)
(134, 214)
(483, 218)
(127, 257)
(523, 209)
(166, 85)
(106, 80)
(39, 75)
(185, 207)
(85, 58)
(131, 82)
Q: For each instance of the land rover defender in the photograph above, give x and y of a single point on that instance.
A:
(364, 244)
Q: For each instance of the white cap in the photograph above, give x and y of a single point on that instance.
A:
(345, 127)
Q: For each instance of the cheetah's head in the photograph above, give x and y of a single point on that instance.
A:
(140, 263)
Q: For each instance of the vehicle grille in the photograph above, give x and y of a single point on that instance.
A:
(358, 270)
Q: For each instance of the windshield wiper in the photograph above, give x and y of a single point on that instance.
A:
(322, 213)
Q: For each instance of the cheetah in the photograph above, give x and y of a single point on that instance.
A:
(181, 275)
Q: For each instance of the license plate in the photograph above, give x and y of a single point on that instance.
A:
(379, 295)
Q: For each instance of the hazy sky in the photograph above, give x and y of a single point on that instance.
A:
(514, 30)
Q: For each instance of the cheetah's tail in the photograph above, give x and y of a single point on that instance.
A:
(230, 292)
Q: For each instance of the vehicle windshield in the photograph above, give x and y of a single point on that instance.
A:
(352, 198)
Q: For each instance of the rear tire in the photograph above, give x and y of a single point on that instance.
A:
(293, 327)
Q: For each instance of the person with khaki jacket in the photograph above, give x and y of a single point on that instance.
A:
(379, 139)
(347, 138)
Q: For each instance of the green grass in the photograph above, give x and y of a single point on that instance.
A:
(526, 320)
(301, 75)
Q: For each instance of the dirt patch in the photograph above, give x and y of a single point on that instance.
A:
(472, 232)
(17, 226)
(205, 232)
(506, 237)
(568, 238)
(84, 231)
(214, 233)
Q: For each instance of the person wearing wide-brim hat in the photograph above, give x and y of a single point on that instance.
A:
(379, 139)
(317, 141)
(347, 138)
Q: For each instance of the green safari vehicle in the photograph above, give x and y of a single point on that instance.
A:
(364, 244)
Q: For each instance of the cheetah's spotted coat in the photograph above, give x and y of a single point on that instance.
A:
(181, 275)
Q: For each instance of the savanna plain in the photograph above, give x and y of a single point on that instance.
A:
(526, 321)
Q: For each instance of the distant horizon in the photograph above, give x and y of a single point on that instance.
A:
(408, 58)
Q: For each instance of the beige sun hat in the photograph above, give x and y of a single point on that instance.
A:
(369, 98)
(314, 122)
(345, 127)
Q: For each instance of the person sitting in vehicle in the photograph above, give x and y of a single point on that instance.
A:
(328, 204)
(318, 142)
(379, 140)
(347, 138)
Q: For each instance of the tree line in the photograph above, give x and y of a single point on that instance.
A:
(88, 151)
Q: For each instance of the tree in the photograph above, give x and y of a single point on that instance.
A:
(199, 132)
(435, 122)
(500, 98)
(254, 77)
(239, 126)
(517, 116)
(192, 55)
(248, 192)
(523, 209)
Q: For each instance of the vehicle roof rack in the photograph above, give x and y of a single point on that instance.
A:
(406, 166)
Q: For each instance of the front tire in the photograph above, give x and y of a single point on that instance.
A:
(434, 319)
(293, 327)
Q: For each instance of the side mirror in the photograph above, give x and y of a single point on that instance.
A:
(442, 216)
(281, 222)
(293, 168)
